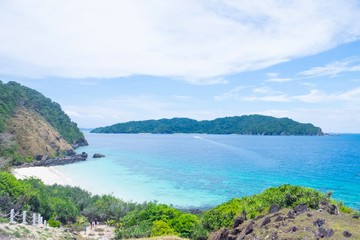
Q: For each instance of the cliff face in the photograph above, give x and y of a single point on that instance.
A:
(33, 126)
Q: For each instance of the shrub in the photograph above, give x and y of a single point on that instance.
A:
(161, 228)
(54, 223)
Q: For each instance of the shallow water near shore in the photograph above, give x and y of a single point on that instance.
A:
(200, 171)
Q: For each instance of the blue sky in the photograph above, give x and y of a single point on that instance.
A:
(114, 61)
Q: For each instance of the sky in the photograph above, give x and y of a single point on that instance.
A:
(114, 61)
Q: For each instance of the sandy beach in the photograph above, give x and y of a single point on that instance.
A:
(49, 175)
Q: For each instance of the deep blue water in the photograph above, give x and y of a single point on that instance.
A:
(189, 170)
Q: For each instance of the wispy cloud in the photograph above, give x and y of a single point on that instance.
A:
(333, 69)
(182, 97)
(233, 93)
(266, 94)
(197, 41)
(274, 77)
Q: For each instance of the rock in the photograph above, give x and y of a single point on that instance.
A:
(98, 155)
(274, 208)
(321, 232)
(80, 143)
(300, 209)
(333, 209)
(60, 160)
(224, 234)
(319, 222)
(309, 214)
(259, 217)
(347, 234)
(266, 221)
(293, 229)
(250, 228)
(330, 232)
(278, 218)
(330, 208)
(238, 221)
(291, 214)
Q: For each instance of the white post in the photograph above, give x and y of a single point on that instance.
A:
(12, 216)
(39, 219)
(34, 219)
(45, 223)
(24, 217)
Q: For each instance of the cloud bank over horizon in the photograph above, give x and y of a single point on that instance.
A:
(200, 42)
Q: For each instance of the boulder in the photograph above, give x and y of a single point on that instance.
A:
(300, 208)
(321, 232)
(266, 221)
(320, 222)
(347, 234)
(274, 208)
(98, 155)
(238, 221)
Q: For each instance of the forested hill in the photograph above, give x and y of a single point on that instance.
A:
(31, 124)
(246, 125)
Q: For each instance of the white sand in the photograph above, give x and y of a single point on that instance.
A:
(49, 175)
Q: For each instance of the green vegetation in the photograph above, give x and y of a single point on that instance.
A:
(14, 95)
(255, 205)
(157, 220)
(246, 125)
(59, 203)
(72, 205)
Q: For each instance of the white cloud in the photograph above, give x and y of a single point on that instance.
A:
(233, 93)
(265, 94)
(270, 98)
(274, 77)
(333, 69)
(198, 41)
(317, 96)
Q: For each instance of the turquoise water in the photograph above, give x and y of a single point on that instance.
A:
(189, 170)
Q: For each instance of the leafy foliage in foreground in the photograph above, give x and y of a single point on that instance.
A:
(65, 204)
(59, 203)
(247, 125)
(157, 220)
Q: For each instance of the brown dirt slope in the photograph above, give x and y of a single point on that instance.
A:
(34, 135)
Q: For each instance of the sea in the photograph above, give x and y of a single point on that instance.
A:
(202, 171)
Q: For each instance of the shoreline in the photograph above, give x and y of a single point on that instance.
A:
(48, 175)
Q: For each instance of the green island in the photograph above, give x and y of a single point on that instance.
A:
(281, 212)
(245, 125)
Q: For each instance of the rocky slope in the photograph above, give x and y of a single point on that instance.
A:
(34, 135)
(298, 223)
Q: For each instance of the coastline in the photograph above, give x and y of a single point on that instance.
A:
(49, 175)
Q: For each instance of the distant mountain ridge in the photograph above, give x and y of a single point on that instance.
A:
(244, 125)
(33, 126)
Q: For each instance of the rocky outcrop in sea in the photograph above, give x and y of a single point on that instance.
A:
(46, 161)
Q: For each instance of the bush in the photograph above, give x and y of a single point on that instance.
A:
(161, 228)
(54, 223)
